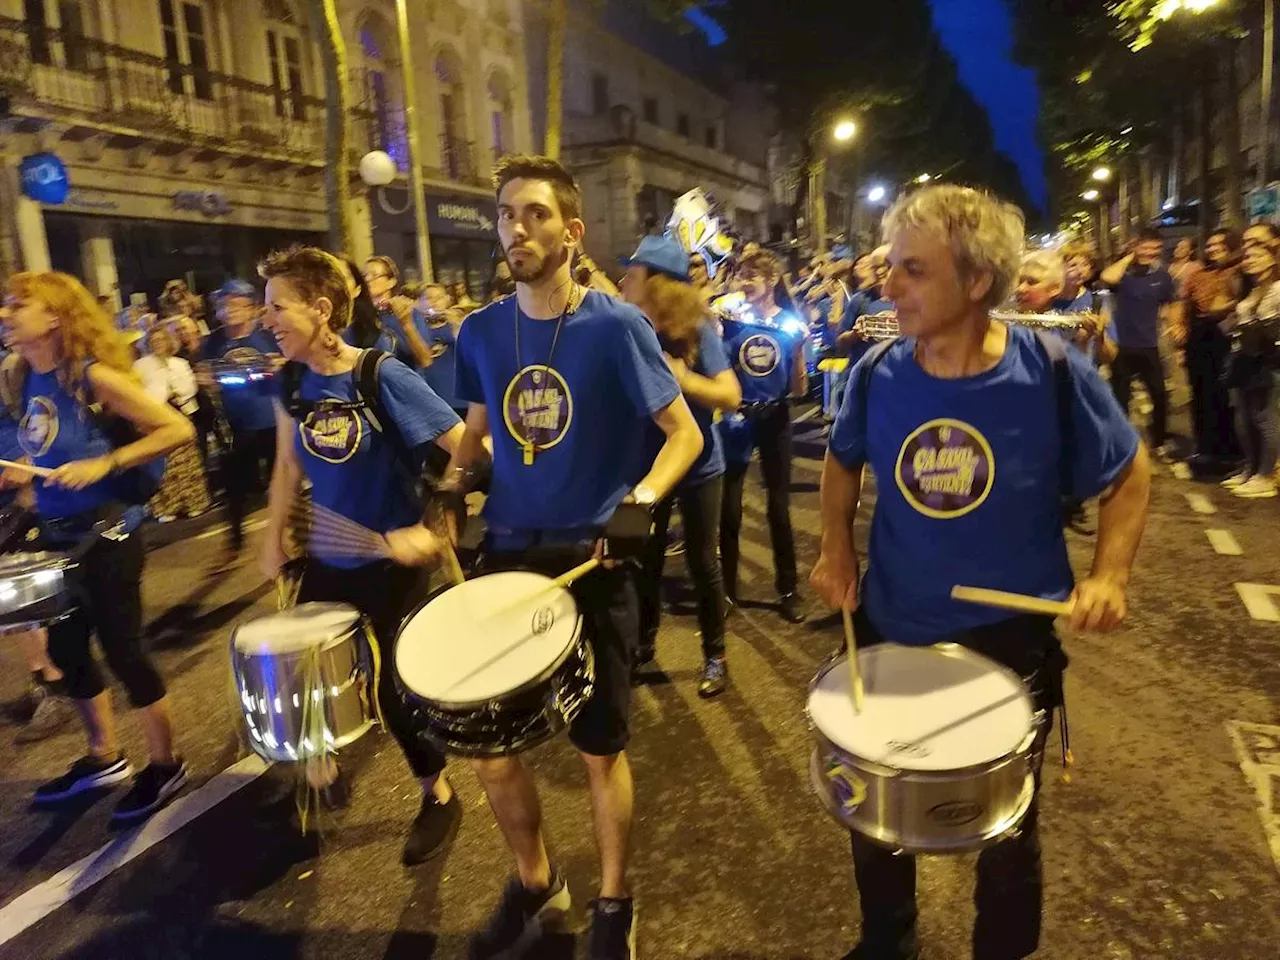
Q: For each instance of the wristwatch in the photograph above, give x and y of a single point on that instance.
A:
(643, 495)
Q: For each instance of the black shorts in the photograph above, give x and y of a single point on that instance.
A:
(610, 609)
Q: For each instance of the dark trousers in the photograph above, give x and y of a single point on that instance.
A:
(386, 593)
(700, 508)
(243, 473)
(1009, 892)
(1207, 350)
(107, 589)
(773, 439)
(1143, 363)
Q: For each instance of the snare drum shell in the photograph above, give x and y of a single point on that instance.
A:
(34, 590)
(919, 811)
(270, 687)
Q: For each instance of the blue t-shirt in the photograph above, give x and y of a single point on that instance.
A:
(711, 363)
(1138, 298)
(587, 414)
(968, 481)
(441, 375)
(762, 354)
(56, 429)
(248, 405)
(10, 449)
(353, 468)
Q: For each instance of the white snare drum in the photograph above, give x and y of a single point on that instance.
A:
(34, 590)
(487, 673)
(302, 679)
(940, 758)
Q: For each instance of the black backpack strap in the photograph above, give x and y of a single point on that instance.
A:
(1055, 348)
(291, 390)
(868, 366)
(369, 394)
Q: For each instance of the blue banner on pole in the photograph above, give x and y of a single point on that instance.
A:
(44, 178)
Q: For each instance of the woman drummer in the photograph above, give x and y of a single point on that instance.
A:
(657, 282)
(71, 379)
(358, 471)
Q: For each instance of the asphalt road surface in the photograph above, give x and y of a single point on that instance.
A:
(1157, 848)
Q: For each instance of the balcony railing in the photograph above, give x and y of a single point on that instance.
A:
(458, 159)
(127, 90)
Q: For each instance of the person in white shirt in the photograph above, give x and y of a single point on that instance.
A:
(170, 379)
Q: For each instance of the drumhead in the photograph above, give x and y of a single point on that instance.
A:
(486, 637)
(299, 628)
(924, 708)
(17, 564)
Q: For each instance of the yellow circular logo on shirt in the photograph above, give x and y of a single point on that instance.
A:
(537, 407)
(38, 427)
(332, 435)
(945, 469)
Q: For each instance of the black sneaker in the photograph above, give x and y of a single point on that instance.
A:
(87, 773)
(433, 829)
(520, 918)
(613, 930)
(715, 678)
(152, 789)
(789, 605)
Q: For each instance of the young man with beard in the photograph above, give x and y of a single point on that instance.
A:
(1142, 286)
(565, 381)
(958, 378)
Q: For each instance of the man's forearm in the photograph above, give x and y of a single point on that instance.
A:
(674, 459)
(709, 392)
(839, 492)
(1115, 273)
(1122, 516)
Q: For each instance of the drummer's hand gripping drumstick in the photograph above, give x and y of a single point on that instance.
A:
(28, 467)
(1019, 602)
(851, 649)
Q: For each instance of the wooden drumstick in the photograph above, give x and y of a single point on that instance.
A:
(851, 648)
(1019, 602)
(29, 468)
(561, 582)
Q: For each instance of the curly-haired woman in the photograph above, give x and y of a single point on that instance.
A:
(85, 416)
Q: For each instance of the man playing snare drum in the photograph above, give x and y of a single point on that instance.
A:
(972, 428)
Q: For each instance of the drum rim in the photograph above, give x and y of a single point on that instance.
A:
(353, 630)
(459, 706)
(37, 561)
(949, 649)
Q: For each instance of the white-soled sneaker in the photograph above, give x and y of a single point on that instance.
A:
(1257, 488)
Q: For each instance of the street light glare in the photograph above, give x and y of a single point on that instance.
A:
(923, 178)
(1102, 174)
(845, 130)
(876, 194)
(1089, 195)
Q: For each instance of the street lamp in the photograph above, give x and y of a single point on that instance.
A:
(923, 178)
(1090, 195)
(876, 194)
(1102, 174)
(845, 131)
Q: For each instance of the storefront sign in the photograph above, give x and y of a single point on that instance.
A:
(91, 200)
(44, 178)
(209, 202)
(455, 216)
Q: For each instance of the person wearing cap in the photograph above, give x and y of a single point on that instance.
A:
(657, 281)
(766, 350)
(243, 401)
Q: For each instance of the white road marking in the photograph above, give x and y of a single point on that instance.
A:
(224, 527)
(1200, 503)
(1260, 600)
(1224, 543)
(807, 415)
(40, 901)
(1181, 471)
(1257, 747)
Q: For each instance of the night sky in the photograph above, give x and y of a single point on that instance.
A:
(979, 35)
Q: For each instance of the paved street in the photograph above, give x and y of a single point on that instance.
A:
(1155, 849)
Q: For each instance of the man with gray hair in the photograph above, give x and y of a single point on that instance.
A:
(989, 395)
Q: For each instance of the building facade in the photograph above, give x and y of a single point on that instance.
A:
(193, 132)
(647, 116)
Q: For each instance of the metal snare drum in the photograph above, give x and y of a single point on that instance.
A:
(940, 759)
(486, 673)
(35, 590)
(302, 680)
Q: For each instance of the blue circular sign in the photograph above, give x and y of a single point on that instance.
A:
(44, 178)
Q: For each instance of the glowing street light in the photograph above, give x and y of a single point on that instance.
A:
(1167, 8)
(1102, 174)
(876, 194)
(1090, 195)
(845, 131)
(923, 178)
